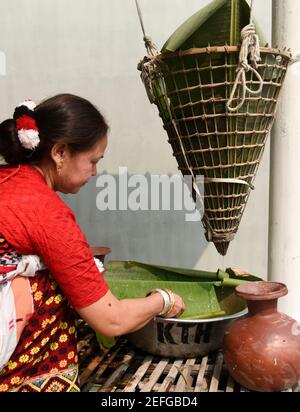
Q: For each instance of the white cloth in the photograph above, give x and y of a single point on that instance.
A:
(8, 336)
(27, 266)
(99, 265)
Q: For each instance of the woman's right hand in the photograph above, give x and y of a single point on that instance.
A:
(173, 305)
(178, 308)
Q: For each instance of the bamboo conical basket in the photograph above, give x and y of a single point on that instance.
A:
(191, 89)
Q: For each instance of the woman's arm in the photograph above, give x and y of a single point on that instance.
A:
(64, 249)
(112, 317)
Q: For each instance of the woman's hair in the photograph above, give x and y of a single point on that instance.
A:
(64, 118)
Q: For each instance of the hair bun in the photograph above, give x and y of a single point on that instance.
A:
(26, 126)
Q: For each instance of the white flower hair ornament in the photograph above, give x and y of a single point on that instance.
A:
(26, 127)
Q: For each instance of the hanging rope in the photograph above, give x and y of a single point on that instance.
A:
(249, 47)
(150, 46)
(148, 66)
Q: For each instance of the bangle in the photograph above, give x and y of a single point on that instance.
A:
(166, 299)
(172, 302)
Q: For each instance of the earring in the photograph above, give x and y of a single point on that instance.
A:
(59, 167)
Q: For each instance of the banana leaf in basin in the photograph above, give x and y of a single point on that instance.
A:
(206, 294)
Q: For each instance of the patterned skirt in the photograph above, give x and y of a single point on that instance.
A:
(45, 359)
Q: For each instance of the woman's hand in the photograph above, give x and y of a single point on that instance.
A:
(178, 308)
(173, 305)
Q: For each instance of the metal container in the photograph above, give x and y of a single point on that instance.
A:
(182, 338)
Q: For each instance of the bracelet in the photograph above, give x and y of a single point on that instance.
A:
(172, 302)
(168, 299)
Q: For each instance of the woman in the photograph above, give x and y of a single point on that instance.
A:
(56, 147)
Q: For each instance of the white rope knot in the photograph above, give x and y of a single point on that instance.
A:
(249, 50)
(250, 46)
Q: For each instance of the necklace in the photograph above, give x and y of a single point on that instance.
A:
(11, 175)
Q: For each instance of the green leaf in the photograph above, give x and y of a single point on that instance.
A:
(204, 293)
(105, 342)
(143, 271)
(199, 297)
(190, 26)
(170, 271)
(134, 270)
(217, 24)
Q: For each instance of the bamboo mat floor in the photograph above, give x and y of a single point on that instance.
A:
(123, 368)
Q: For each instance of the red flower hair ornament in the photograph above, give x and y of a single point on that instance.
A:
(26, 127)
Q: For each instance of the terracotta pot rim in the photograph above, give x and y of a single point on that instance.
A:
(261, 290)
(100, 250)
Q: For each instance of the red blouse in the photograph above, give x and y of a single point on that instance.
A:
(34, 220)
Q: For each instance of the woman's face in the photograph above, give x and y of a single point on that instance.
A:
(79, 167)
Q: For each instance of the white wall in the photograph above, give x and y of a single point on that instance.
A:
(91, 48)
(284, 256)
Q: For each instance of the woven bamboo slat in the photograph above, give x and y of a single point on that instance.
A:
(191, 89)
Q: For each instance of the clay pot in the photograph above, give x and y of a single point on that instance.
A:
(100, 252)
(262, 350)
